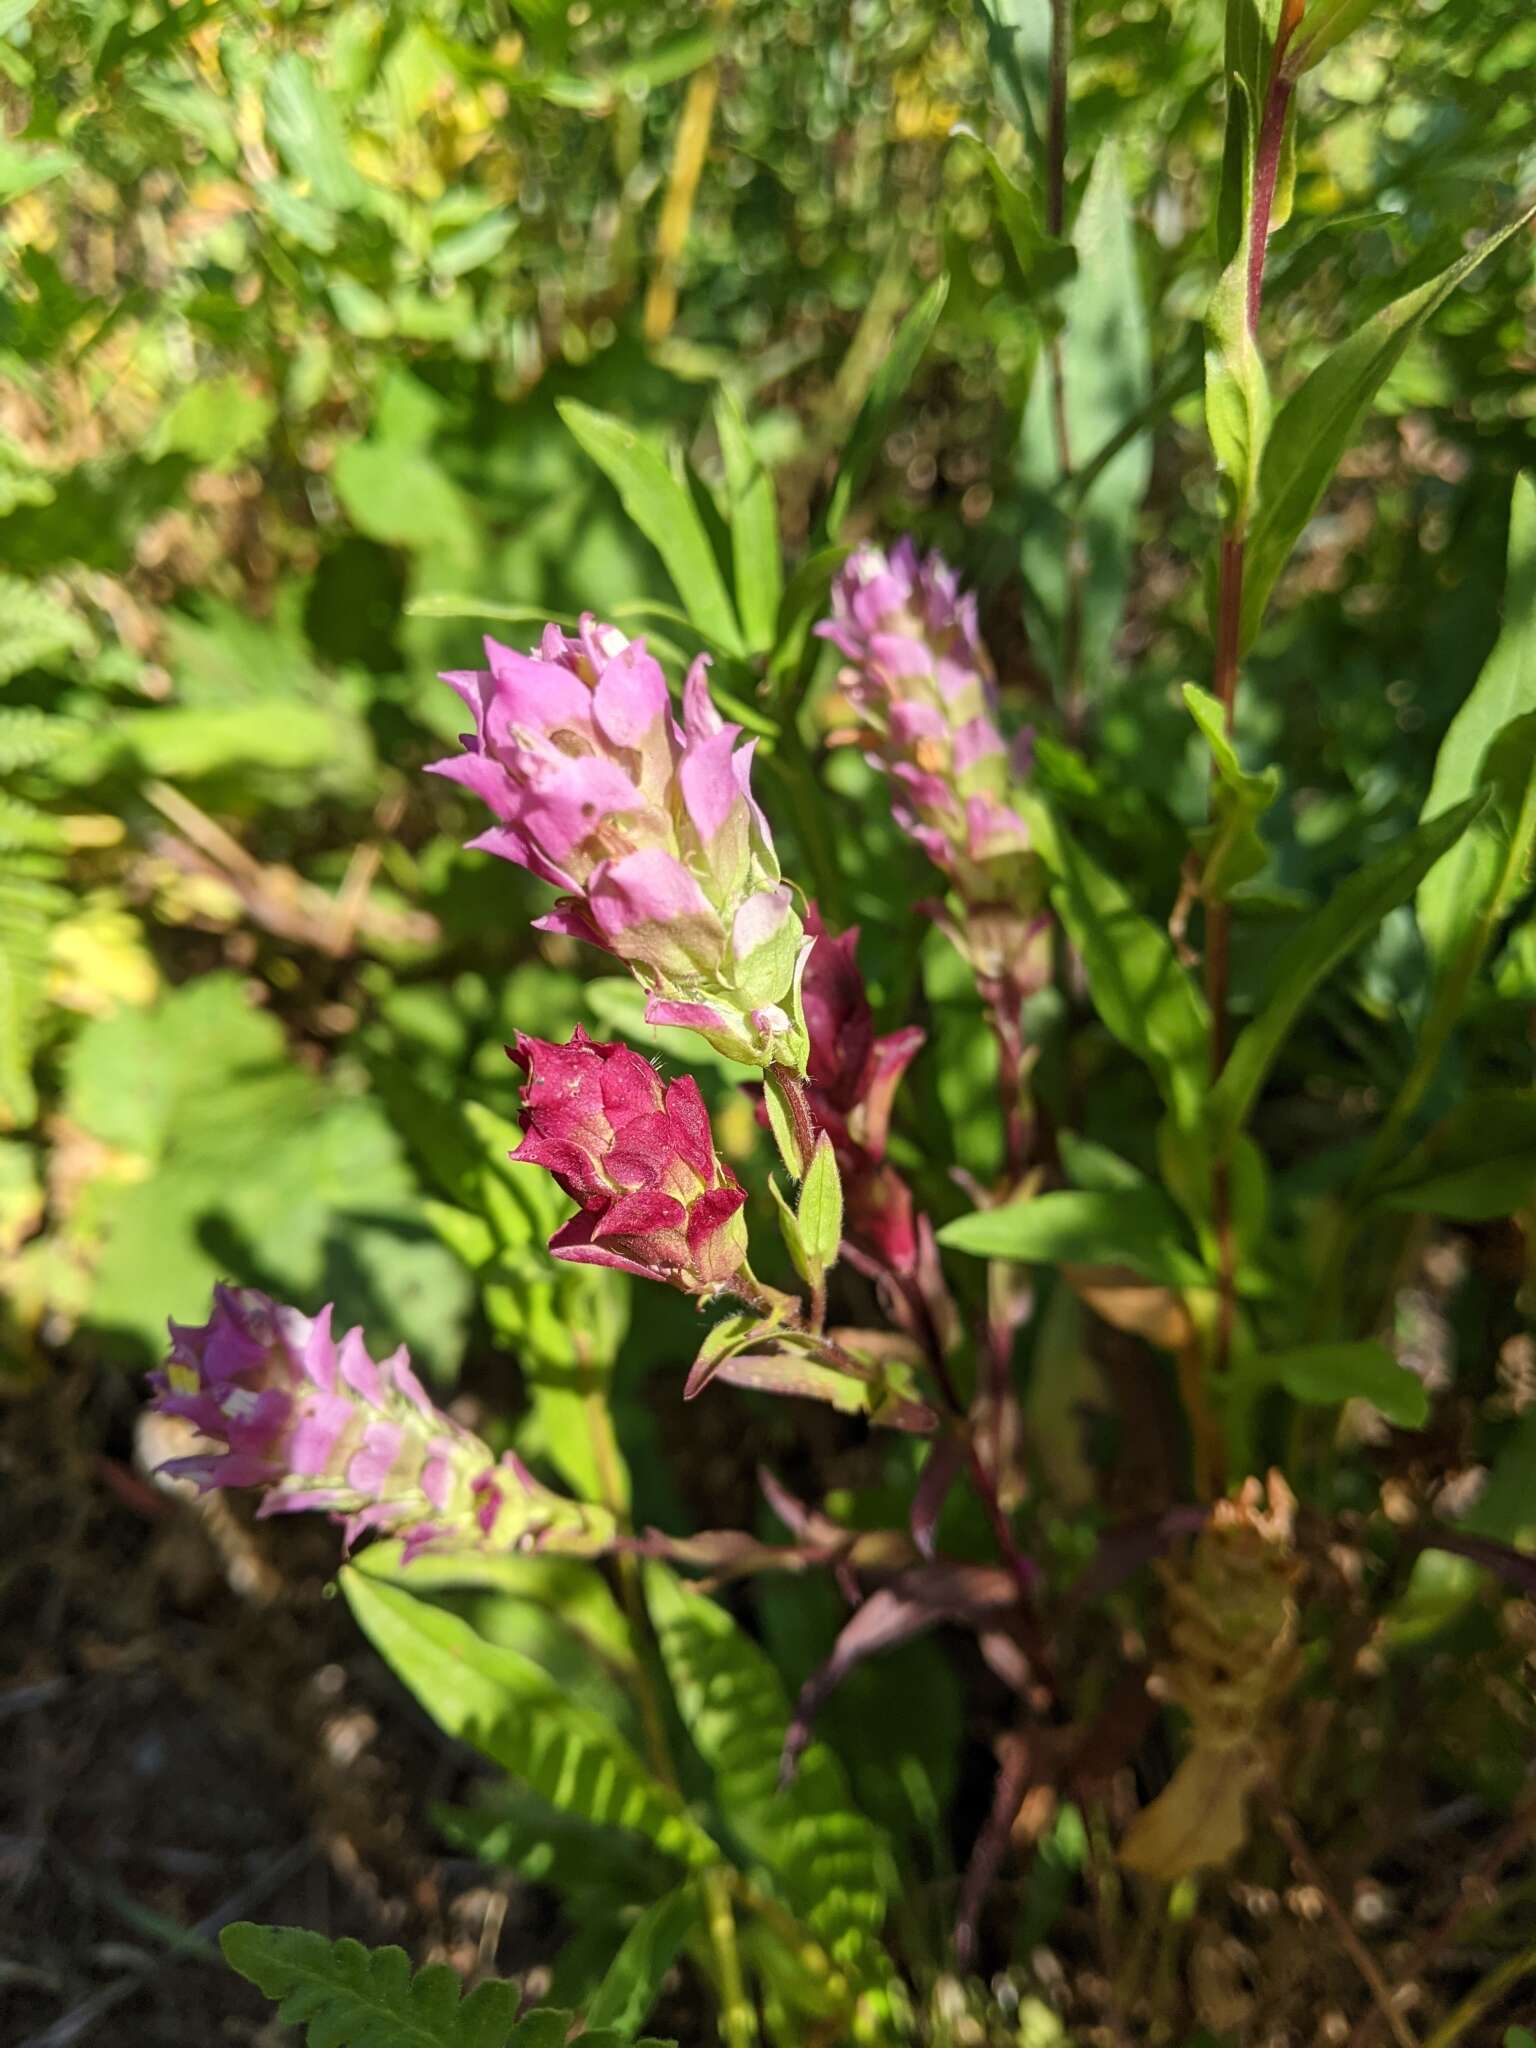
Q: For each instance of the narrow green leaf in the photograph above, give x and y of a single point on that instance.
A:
(664, 512)
(1465, 886)
(1043, 260)
(789, 1230)
(1326, 937)
(507, 1707)
(1315, 425)
(820, 1211)
(1323, 1374)
(1142, 994)
(1478, 1162)
(754, 526)
(633, 1980)
(1133, 1227)
(1078, 537)
(1324, 26)
(1237, 403)
(1230, 847)
(887, 388)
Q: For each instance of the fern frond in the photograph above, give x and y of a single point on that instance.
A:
(23, 827)
(830, 1864)
(35, 629)
(348, 1996)
(30, 904)
(29, 737)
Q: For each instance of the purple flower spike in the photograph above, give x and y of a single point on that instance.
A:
(649, 826)
(314, 1422)
(922, 685)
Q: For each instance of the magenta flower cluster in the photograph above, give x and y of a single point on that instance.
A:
(315, 1422)
(648, 824)
(638, 1158)
(922, 685)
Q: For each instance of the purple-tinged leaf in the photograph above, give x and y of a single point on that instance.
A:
(941, 1468)
(1126, 1548)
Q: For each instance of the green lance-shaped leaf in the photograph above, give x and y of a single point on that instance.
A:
(1325, 1374)
(829, 1865)
(820, 1210)
(507, 1707)
(1044, 260)
(885, 392)
(1237, 403)
(789, 1230)
(1142, 994)
(1327, 936)
(754, 515)
(1324, 26)
(663, 509)
(1134, 1227)
(1081, 559)
(1315, 425)
(1477, 1163)
(1472, 886)
(1230, 848)
(632, 1983)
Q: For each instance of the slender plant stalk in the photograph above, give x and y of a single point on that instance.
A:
(1482, 1997)
(1229, 610)
(1311, 1872)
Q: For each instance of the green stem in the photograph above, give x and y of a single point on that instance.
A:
(738, 2021)
(1483, 1996)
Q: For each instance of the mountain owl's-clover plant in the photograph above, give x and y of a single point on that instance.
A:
(1131, 1224)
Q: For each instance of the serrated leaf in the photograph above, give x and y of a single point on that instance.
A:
(348, 1996)
(1333, 931)
(1315, 425)
(830, 1865)
(1329, 1373)
(664, 512)
(36, 631)
(507, 1707)
(759, 574)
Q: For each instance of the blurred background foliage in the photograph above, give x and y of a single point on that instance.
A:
(295, 290)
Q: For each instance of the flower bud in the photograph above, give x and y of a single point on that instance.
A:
(314, 1422)
(639, 1158)
(649, 826)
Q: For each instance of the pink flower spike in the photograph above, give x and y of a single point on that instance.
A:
(647, 824)
(654, 1198)
(922, 685)
(320, 1425)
